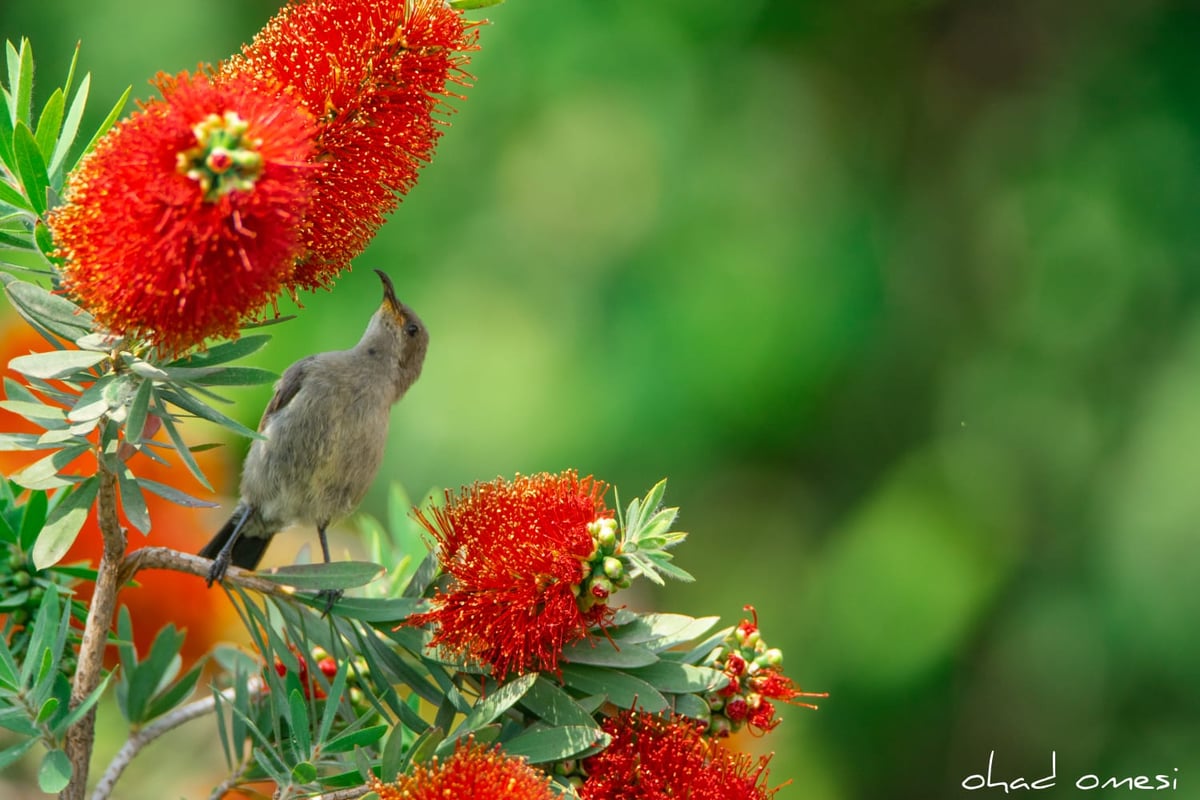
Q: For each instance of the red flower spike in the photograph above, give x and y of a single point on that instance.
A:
(473, 771)
(656, 758)
(375, 73)
(513, 550)
(186, 219)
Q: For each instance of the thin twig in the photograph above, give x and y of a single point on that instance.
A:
(148, 734)
(82, 735)
(166, 558)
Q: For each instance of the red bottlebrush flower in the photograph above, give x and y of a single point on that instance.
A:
(656, 758)
(186, 219)
(517, 552)
(473, 771)
(374, 73)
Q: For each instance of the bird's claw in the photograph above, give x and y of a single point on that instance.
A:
(330, 596)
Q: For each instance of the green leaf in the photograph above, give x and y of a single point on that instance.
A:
(622, 689)
(370, 609)
(180, 446)
(31, 167)
(205, 411)
(47, 710)
(33, 518)
(553, 705)
(304, 773)
(135, 423)
(106, 124)
(174, 495)
(132, 501)
(471, 5)
(10, 196)
(336, 688)
(222, 353)
(347, 741)
(57, 314)
(20, 72)
(495, 704)
(36, 412)
(335, 575)
(393, 757)
(64, 523)
(57, 363)
(543, 745)
(674, 678)
(221, 375)
(691, 705)
(299, 723)
(599, 651)
(50, 123)
(70, 127)
(149, 675)
(55, 772)
(44, 473)
(11, 754)
(95, 401)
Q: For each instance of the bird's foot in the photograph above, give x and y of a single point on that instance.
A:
(330, 596)
(218, 569)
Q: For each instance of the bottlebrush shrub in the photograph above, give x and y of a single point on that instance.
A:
(502, 663)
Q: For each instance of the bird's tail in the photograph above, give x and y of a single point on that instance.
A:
(251, 543)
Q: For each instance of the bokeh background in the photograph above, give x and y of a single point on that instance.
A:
(902, 296)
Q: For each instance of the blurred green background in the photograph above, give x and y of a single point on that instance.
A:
(902, 296)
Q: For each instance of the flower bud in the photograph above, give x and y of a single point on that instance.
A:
(613, 568)
(720, 727)
(600, 588)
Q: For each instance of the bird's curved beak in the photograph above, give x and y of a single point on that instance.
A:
(389, 296)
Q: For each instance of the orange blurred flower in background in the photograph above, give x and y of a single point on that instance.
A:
(160, 597)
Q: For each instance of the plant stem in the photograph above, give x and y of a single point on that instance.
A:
(166, 558)
(148, 734)
(82, 735)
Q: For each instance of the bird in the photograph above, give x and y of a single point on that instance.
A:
(322, 440)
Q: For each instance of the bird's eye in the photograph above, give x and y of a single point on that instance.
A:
(411, 329)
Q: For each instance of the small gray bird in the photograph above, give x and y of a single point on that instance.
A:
(324, 434)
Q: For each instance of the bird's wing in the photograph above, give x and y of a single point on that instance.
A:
(289, 384)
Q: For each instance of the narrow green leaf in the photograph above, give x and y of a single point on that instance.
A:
(336, 688)
(472, 5)
(36, 412)
(174, 495)
(47, 710)
(188, 403)
(543, 745)
(222, 353)
(221, 375)
(70, 127)
(31, 167)
(95, 400)
(299, 722)
(622, 689)
(126, 651)
(553, 705)
(56, 364)
(50, 123)
(54, 312)
(33, 518)
(64, 524)
(44, 473)
(55, 772)
(148, 676)
(180, 446)
(10, 196)
(392, 758)
(135, 423)
(370, 609)
(22, 81)
(599, 651)
(335, 575)
(132, 501)
(107, 123)
(10, 754)
(42, 632)
(344, 742)
(495, 704)
(66, 87)
(674, 678)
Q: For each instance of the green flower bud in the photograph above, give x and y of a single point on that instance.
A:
(613, 568)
